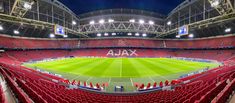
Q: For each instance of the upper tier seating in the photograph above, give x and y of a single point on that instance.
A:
(23, 56)
(33, 43)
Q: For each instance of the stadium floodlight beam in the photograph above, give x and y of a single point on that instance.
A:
(27, 5)
(52, 35)
(215, 3)
(141, 21)
(151, 23)
(74, 22)
(227, 30)
(132, 20)
(99, 34)
(102, 21)
(16, 32)
(129, 34)
(169, 23)
(110, 20)
(114, 34)
(144, 35)
(137, 34)
(191, 35)
(92, 22)
(1, 28)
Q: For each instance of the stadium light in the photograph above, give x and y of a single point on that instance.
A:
(27, 5)
(92, 22)
(227, 30)
(144, 35)
(16, 32)
(99, 35)
(129, 34)
(114, 34)
(191, 35)
(132, 20)
(101, 21)
(137, 34)
(177, 36)
(111, 20)
(74, 23)
(106, 34)
(141, 21)
(215, 3)
(52, 35)
(151, 22)
(1, 28)
(65, 36)
(169, 23)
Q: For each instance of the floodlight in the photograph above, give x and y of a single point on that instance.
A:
(65, 36)
(1, 28)
(129, 34)
(74, 23)
(98, 34)
(169, 23)
(114, 34)
(132, 20)
(141, 21)
(151, 22)
(27, 5)
(92, 22)
(16, 32)
(191, 35)
(227, 30)
(144, 35)
(137, 34)
(111, 20)
(215, 3)
(106, 34)
(101, 21)
(52, 35)
(177, 36)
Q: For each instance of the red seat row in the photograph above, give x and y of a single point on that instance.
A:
(42, 90)
(33, 43)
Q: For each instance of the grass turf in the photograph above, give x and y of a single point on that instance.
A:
(121, 71)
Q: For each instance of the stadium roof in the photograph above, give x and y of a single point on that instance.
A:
(160, 6)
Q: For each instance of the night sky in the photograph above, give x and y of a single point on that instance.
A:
(84, 6)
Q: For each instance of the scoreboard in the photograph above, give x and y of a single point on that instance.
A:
(183, 30)
(59, 30)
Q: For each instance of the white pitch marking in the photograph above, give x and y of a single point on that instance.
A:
(151, 79)
(109, 80)
(89, 79)
(76, 77)
(121, 68)
(131, 82)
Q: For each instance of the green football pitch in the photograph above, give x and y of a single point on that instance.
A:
(120, 71)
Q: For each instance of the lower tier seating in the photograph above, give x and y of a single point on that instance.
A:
(31, 86)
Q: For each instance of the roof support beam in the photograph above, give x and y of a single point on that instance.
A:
(222, 6)
(21, 7)
(14, 19)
